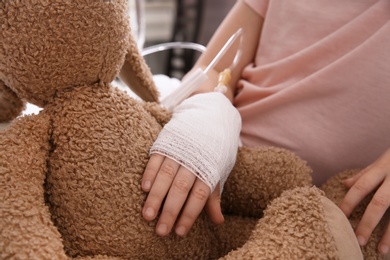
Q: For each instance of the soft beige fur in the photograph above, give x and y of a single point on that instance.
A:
(70, 176)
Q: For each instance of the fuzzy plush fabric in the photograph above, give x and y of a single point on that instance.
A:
(70, 176)
(26, 228)
(10, 104)
(295, 228)
(277, 170)
(84, 42)
(3, 126)
(85, 153)
(86, 157)
(134, 67)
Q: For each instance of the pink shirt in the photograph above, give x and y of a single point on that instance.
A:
(320, 82)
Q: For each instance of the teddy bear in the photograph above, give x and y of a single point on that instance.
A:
(10, 105)
(70, 176)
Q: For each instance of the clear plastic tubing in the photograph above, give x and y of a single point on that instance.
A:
(199, 76)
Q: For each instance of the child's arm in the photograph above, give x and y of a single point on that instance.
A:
(241, 16)
(186, 198)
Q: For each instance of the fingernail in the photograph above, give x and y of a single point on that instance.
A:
(149, 212)
(162, 229)
(361, 240)
(181, 231)
(384, 250)
(146, 185)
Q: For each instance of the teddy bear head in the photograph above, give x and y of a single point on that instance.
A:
(51, 46)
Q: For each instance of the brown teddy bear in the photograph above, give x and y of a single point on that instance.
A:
(10, 104)
(70, 176)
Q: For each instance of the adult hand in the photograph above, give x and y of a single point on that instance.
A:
(185, 196)
(374, 177)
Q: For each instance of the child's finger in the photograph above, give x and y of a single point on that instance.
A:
(213, 207)
(175, 200)
(195, 203)
(151, 171)
(160, 187)
(360, 189)
(376, 209)
(384, 244)
(352, 180)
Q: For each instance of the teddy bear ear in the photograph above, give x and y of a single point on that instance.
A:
(11, 105)
(136, 74)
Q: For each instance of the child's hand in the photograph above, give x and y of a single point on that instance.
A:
(203, 136)
(185, 196)
(376, 176)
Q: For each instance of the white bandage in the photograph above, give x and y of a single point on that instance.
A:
(202, 136)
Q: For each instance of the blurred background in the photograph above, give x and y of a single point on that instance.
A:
(180, 20)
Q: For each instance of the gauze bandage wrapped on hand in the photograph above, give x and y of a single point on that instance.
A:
(203, 136)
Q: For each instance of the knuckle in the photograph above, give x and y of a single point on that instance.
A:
(201, 193)
(157, 156)
(154, 199)
(169, 214)
(182, 185)
(362, 187)
(380, 202)
(154, 163)
(168, 170)
(187, 219)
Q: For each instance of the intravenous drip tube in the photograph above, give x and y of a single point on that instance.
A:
(199, 76)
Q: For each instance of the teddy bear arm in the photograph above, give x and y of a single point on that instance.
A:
(301, 224)
(27, 231)
(10, 104)
(137, 75)
(231, 235)
(260, 175)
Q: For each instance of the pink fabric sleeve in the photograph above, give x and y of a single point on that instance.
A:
(319, 84)
(259, 6)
